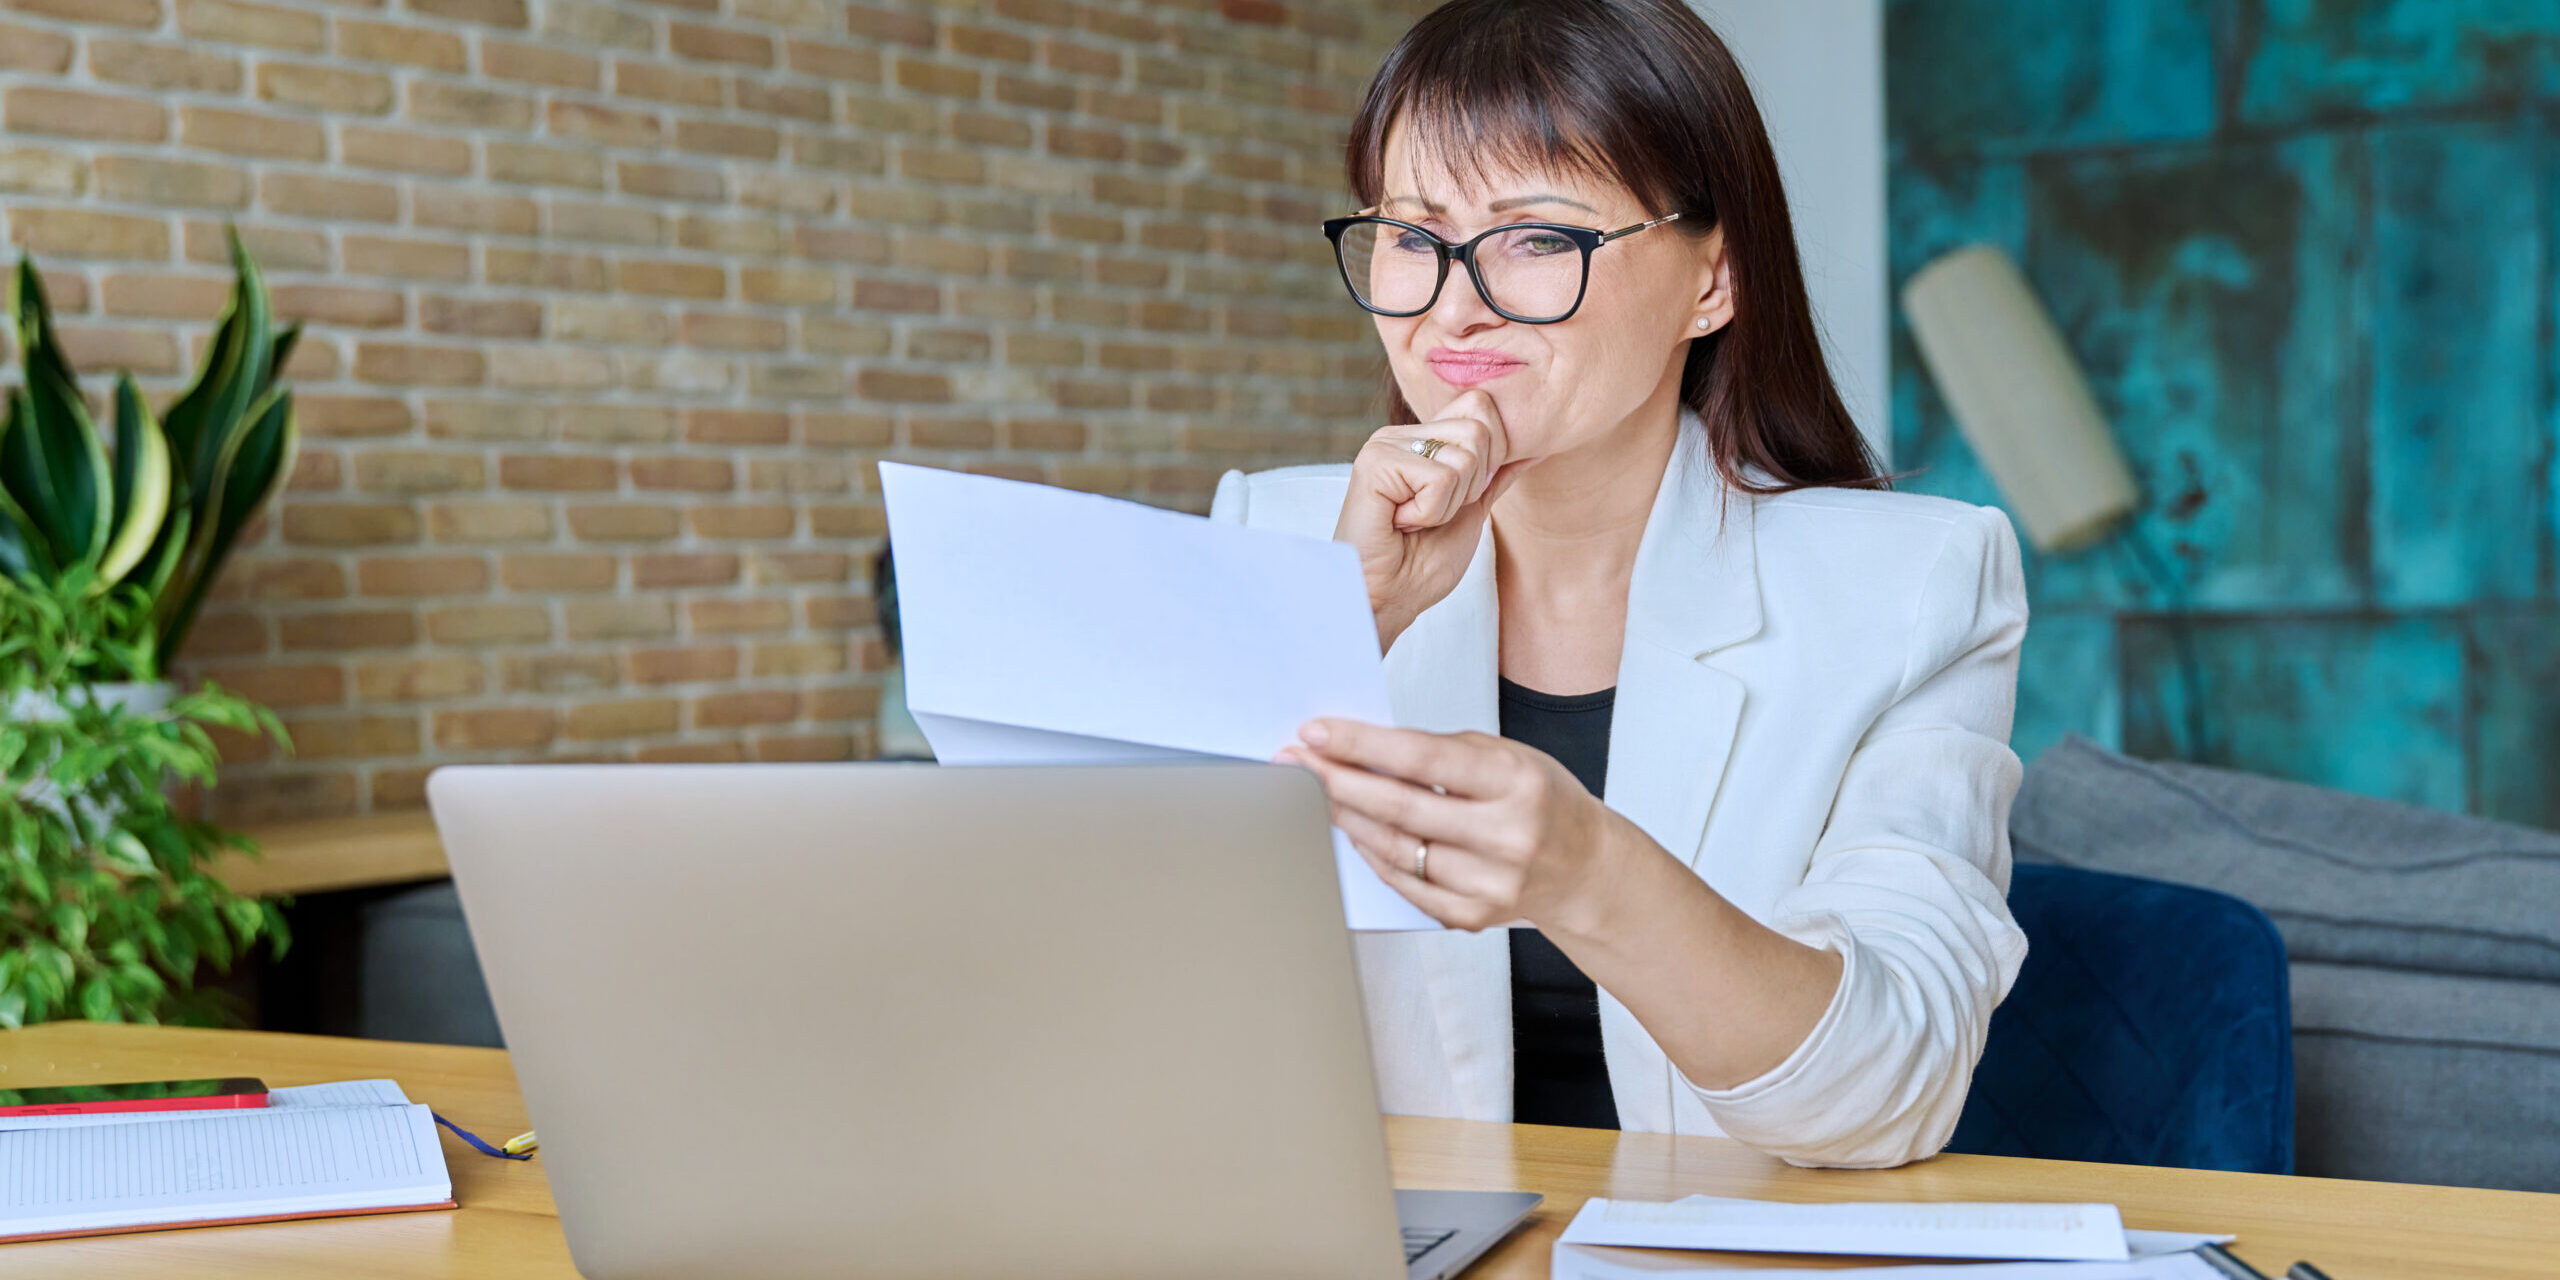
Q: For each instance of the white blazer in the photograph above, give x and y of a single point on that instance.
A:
(1813, 713)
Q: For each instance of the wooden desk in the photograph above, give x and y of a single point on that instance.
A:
(320, 854)
(507, 1228)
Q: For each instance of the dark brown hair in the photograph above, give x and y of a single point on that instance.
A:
(1641, 93)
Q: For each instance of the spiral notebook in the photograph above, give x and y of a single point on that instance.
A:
(179, 1169)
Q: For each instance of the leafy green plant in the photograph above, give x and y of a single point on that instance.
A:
(162, 510)
(106, 910)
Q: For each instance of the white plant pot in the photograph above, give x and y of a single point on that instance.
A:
(150, 698)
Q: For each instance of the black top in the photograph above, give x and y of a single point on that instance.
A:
(1557, 1073)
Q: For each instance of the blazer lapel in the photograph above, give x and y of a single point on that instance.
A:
(1441, 674)
(1695, 589)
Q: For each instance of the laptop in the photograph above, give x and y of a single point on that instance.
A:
(801, 1020)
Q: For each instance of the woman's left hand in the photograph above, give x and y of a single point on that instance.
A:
(1511, 834)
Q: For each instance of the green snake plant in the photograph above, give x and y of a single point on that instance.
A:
(161, 510)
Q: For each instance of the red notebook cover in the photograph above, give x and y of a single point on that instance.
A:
(223, 1222)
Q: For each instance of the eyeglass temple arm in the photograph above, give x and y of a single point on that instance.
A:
(1641, 226)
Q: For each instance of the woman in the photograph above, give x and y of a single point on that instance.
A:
(1623, 540)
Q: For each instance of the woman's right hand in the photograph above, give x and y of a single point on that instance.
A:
(1416, 521)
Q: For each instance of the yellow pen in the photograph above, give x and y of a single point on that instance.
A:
(519, 1144)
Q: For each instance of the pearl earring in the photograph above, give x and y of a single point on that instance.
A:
(1702, 322)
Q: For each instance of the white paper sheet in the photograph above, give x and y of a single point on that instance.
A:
(1586, 1262)
(340, 1093)
(2057, 1232)
(2152, 1244)
(1045, 626)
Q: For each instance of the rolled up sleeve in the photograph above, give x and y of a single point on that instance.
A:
(1909, 884)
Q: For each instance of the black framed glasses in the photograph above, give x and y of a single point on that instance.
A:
(1530, 272)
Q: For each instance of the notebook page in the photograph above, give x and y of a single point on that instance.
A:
(250, 1164)
(341, 1093)
(2090, 1232)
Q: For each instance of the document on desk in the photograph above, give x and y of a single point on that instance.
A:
(1043, 626)
(1586, 1262)
(252, 1165)
(2058, 1232)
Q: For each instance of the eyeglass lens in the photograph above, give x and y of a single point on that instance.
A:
(1531, 272)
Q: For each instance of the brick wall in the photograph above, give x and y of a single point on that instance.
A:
(613, 304)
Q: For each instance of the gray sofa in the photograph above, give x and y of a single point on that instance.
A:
(2424, 947)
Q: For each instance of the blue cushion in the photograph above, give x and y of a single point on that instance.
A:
(2151, 1024)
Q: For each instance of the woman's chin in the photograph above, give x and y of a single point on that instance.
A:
(1510, 398)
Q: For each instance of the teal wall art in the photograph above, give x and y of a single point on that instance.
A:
(2309, 253)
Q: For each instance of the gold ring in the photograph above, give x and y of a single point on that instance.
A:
(1422, 860)
(1428, 448)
